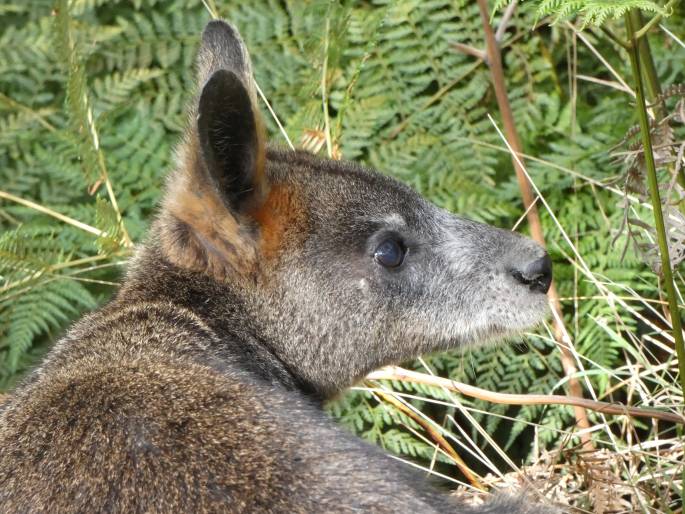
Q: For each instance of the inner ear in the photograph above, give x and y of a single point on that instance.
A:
(231, 140)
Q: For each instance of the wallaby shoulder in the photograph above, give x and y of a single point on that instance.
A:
(126, 430)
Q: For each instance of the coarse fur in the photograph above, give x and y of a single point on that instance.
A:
(257, 295)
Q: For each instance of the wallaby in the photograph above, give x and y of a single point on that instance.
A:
(270, 281)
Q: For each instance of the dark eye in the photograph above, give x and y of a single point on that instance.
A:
(389, 253)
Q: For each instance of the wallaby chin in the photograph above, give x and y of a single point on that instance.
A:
(271, 279)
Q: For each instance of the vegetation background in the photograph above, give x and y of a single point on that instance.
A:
(92, 96)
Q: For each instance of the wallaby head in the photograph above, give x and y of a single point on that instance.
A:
(338, 269)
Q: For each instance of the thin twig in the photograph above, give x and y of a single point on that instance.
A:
(435, 435)
(211, 8)
(672, 35)
(273, 115)
(126, 239)
(652, 90)
(473, 423)
(324, 95)
(469, 50)
(54, 214)
(504, 22)
(613, 37)
(66, 276)
(50, 269)
(405, 375)
(73, 68)
(602, 82)
(601, 58)
(31, 112)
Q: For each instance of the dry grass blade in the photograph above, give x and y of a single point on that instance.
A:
(54, 214)
(397, 373)
(435, 435)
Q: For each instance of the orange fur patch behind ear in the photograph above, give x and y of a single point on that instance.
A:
(281, 220)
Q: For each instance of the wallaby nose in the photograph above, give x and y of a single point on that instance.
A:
(537, 274)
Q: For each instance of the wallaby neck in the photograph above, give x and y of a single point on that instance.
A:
(224, 308)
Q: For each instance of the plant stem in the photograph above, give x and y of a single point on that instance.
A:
(641, 31)
(653, 87)
(50, 269)
(661, 233)
(80, 109)
(40, 118)
(613, 37)
(497, 72)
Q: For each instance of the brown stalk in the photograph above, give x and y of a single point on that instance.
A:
(405, 375)
(494, 62)
(435, 435)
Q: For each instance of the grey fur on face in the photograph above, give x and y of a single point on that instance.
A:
(270, 281)
(337, 314)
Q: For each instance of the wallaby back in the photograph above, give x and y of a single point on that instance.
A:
(270, 281)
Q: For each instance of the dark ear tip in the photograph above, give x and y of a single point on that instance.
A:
(219, 31)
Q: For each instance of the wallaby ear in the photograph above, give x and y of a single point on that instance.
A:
(230, 132)
(220, 183)
(231, 141)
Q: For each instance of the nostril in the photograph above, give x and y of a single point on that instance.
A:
(537, 274)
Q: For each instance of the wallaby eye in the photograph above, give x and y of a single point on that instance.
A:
(390, 253)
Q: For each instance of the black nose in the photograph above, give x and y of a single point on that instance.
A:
(537, 274)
